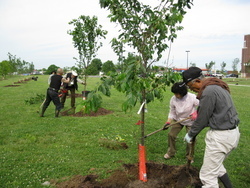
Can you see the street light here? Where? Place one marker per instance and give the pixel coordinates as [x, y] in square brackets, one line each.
[187, 58]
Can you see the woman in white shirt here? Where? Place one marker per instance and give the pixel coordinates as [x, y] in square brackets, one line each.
[182, 105]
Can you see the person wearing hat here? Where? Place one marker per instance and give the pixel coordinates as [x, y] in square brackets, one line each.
[71, 86]
[216, 111]
[182, 105]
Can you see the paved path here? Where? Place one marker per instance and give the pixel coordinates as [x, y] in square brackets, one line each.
[239, 85]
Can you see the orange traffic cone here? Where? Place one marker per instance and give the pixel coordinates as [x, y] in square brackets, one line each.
[142, 164]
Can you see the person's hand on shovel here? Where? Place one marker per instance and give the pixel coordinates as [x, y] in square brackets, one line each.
[188, 139]
[165, 127]
[193, 116]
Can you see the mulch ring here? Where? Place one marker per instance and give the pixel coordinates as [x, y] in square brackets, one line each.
[158, 175]
[12, 86]
[100, 112]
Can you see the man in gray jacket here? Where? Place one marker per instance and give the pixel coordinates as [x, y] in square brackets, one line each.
[216, 111]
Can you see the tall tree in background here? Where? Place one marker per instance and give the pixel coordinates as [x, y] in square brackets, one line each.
[235, 64]
[108, 66]
[147, 30]
[20, 66]
[209, 66]
[95, 67]
[31, 67]
[192, 64]
[5, 68]
[223, 65]
[86, 37]
[51, 68]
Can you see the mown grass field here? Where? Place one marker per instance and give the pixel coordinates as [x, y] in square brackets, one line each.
[35, 150]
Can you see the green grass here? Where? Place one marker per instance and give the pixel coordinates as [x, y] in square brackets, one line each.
[34, 149]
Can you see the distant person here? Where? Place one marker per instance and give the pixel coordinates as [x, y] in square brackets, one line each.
[52, 92]
[216, 111]
[72, 87]
[34, 78]
[182, 105]
[51, 74]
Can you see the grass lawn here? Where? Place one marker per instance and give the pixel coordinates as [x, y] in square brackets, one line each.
[34, 149]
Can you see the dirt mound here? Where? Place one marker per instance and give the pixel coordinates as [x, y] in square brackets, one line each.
[100, 112]
[159, 176]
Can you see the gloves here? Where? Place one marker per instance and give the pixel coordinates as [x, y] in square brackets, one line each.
[165, 126]
[187, 138]
[194, 115]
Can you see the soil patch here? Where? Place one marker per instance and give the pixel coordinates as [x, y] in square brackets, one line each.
[158, 175]
[112, 144]
[100, 112]
[12, 86]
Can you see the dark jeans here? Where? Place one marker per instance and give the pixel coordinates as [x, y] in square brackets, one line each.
[52, 96]
[72, 92]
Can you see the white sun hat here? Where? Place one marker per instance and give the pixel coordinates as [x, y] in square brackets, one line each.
[74, 73]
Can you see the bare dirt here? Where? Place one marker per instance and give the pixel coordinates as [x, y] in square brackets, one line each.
[20, 82]
[100, 112]
[158, 176]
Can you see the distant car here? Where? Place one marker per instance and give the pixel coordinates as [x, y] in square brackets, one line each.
[218, 75]
[232, 76]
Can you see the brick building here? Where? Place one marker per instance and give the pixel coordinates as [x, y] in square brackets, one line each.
[245, 61]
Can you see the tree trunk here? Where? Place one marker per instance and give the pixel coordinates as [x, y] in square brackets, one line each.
[85, 86]
[143, 118]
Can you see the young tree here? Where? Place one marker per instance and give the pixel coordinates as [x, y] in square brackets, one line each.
[147, 30]
[86, 37]
[235, 64]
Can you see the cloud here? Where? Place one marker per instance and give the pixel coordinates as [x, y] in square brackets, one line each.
[213, 31]
[36, 31]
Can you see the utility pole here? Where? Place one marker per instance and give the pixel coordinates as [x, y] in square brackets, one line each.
[187, 58]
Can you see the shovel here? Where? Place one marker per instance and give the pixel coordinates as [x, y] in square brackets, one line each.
[191, 153]
[164, 128]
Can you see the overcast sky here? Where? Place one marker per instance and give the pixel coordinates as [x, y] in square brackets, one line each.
[36, 31]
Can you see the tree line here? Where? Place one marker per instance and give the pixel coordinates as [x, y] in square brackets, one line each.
[209, 66]
[15, 65]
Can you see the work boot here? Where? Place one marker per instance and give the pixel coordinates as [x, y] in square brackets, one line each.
[42, 113]
[57, 113]
[226, 181]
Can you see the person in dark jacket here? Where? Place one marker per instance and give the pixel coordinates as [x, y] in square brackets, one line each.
[216, 111]
[52, 92]
[72, 87]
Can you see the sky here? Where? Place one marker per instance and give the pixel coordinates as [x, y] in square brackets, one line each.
[36, 31]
